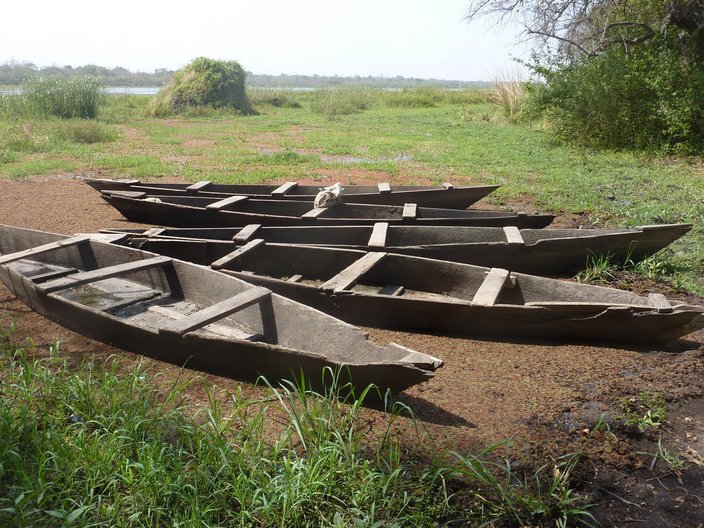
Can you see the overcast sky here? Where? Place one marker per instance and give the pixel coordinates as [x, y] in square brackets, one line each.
[411, 38]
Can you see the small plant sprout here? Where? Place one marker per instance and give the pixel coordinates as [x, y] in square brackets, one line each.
[645, 412]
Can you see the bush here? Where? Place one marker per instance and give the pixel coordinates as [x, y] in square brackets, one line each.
[203, 83]
[649, 97]
[69, 98]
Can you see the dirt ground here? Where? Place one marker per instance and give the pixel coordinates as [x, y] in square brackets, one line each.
[543, 396]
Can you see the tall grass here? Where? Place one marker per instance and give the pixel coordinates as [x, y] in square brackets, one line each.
[509, 94]
[69, 98]
[99, 445]
[333, 102]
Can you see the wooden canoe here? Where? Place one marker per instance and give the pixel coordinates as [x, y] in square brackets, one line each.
[536, 251]
[445, 196]
[239, 211]
[418, 294]
[192, 315]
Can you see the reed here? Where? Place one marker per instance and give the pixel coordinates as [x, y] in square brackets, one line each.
[64, 98]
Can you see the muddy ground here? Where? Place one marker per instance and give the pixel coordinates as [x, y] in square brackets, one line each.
[545, 397]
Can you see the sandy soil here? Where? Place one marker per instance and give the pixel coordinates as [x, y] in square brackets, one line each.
[545, 396]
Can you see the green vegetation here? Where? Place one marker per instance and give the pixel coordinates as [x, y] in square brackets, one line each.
[74, 98]
[645, 412]
[649, 97]
[100, 445]
[203, 83]
[464, 138]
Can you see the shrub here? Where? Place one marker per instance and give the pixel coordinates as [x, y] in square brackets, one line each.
[648, 97]
[65, 98]
[204, 83]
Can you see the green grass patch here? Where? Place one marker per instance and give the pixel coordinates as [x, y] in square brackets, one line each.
[100, 445]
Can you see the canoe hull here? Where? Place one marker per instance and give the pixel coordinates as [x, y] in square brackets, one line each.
[429, 196]
[236, 358]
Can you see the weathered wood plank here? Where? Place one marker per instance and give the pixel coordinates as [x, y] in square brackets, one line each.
[659, 301]
[490, 289]
[384, 188]
[410, 211]
[154, 231]
[283, 189]
[295, 278]
[77, 279]
[221, 204]
[513, 235]
[51, 275]
[216, 311]
[392, 290]
[448, 186]
[27, 253]
[234, 255]
[378, 237]
[246, 233]
[198, 186]
[314, 213]
[351, 274]
[227, 331]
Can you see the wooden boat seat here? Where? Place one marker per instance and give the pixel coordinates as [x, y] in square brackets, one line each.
[295, 278]
[378, 237]
[283, 189]
[490, 289]
[77, 279]
[384, 188]
[234, 255]
[246, 233]
[199, 186]
[51, 246]
[51, 275]
[256, 295]
[659, 301]
[351, 274]
[219, 329]
[226, 202]
[410, 211]
[513, 235]
[392, 290]
[153, 232]
[314, 213]
[448, 186]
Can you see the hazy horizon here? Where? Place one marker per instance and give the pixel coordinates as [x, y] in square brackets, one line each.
[412, 38]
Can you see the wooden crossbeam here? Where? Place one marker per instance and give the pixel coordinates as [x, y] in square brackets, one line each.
[410, 211]
[314, 213]
[126, 194]
[221, 204]
[384, 188]
[490, 289]
[392, 290]
[351, 274]
[283, 189]
[246, 233]
[234, 255]
[77, 279]
[448, 186]
[295, 278]
[51, 246]
[513, 235]
[154, 231]
[378, 237]
[216, 311]
[659, 301]
[198, 186]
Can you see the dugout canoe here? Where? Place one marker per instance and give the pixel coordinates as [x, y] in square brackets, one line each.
[404, 292]
[535, 251]
[192, 315]
[446, 195]
[239, 211]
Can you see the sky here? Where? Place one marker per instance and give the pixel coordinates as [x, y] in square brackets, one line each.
[410, 38]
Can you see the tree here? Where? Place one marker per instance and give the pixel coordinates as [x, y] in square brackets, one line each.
[591, 27]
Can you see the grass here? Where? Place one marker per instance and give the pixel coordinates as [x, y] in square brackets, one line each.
[98, 445]
[393, 135]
